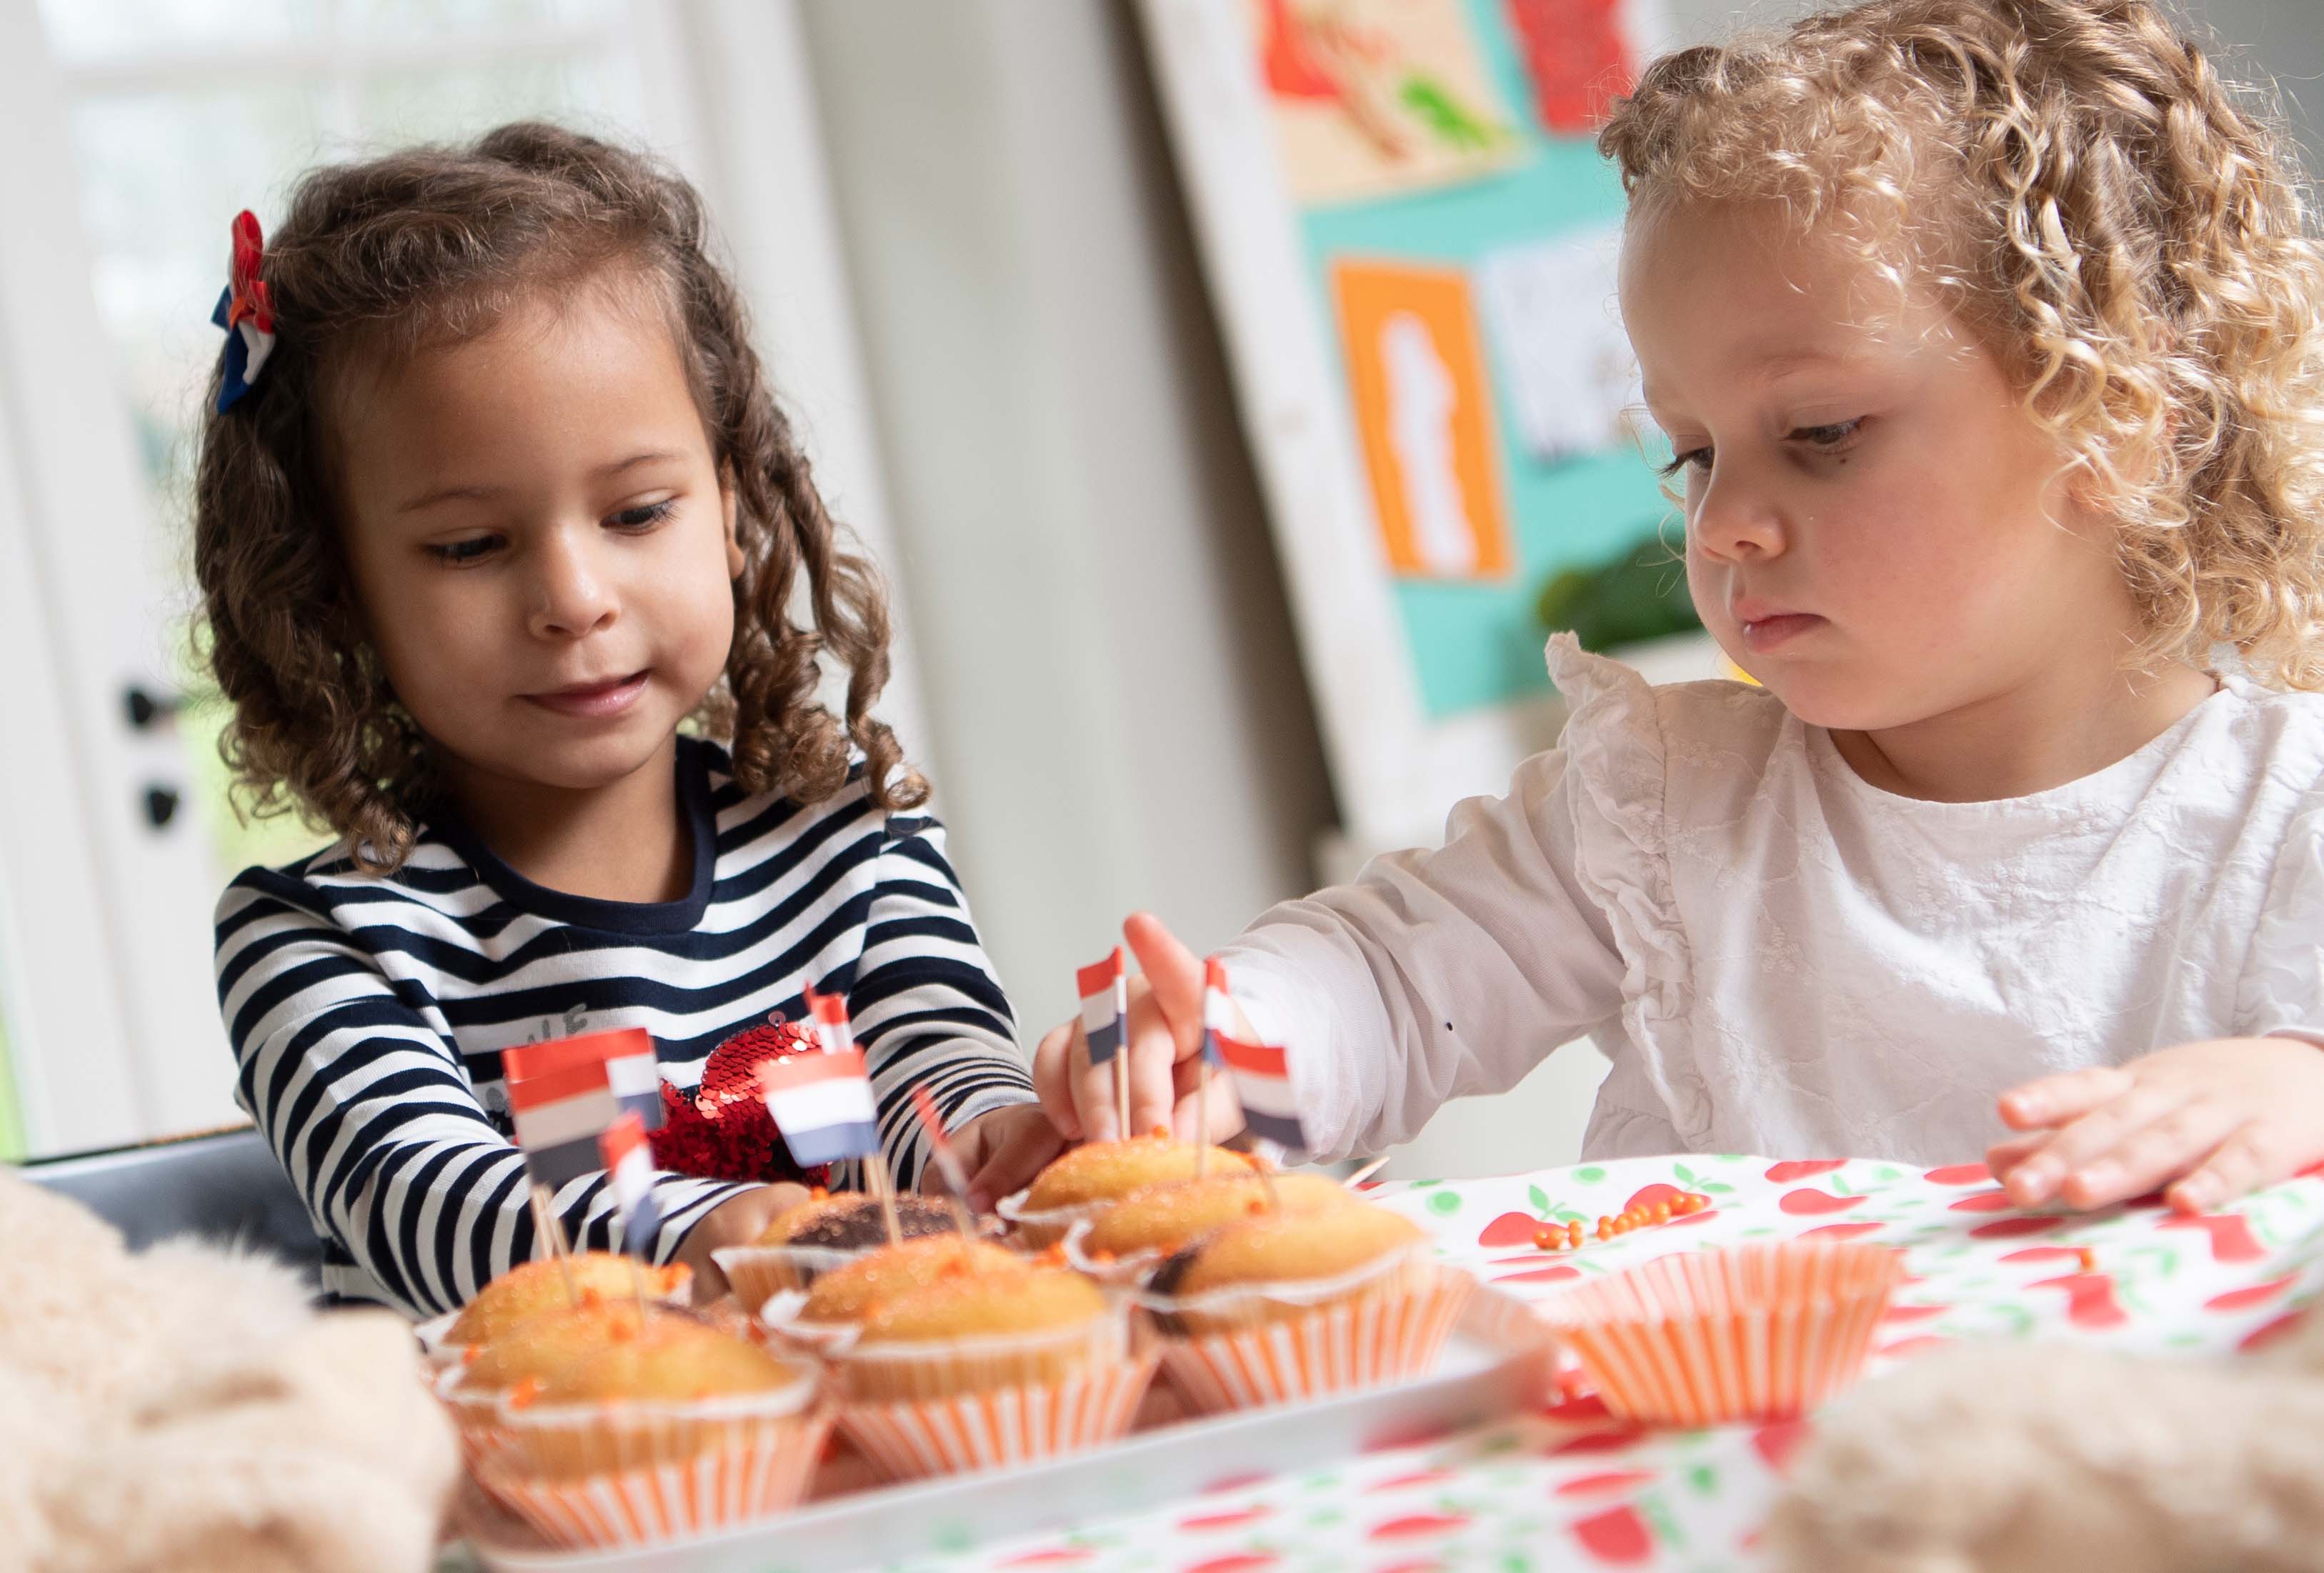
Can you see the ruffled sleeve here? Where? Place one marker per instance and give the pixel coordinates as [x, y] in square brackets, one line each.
[1439, 974]
[2282, 991]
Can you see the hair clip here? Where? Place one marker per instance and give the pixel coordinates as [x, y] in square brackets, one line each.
[245, 309]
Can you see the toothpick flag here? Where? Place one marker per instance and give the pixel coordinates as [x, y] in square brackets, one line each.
[627, 1054]
[559, 1115]
[939, 1144]
[1104, 988]
[823, 1103]
[1262, 1080]
[1218, 1009]
[629, 1163]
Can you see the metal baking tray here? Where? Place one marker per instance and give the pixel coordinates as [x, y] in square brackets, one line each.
[1499, 1361]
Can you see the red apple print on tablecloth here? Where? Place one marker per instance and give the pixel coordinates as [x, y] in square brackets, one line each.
[1810, 1201]
[1511, 1229]
[1803, 1169]
[1913, 1312]
[1777, 1442]
[1605, 1484]
[1425, 1565]
[1414, 1525]
[1913, 1346]
[1226, 1483]
[2002, 1228]
[1610, 1441]
[2256, 1294]
[1408, 1482]
[2043, 1253]
[1645, 1196]
[2089, 1300]
[1558, 1273]
[1984, 1201]
[2231, 1236]
[2260, 1337]
[1960, 1174]
[1617, 1537]
[1226, 1520]
[1235, 1562]
[1579, 1409]
[1841, 1231]
[1056, 1557]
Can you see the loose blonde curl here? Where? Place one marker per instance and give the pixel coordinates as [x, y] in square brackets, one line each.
[2125, 229]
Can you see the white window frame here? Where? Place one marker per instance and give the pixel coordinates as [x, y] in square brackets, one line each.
[104, 922]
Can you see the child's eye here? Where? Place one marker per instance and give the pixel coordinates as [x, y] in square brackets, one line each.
[463, 551]
[1827, 437]
[644, 517]
[1695, 458]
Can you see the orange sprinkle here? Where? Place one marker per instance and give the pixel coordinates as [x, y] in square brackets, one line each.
[468, 1356]
[1605, 1228]
[817, 1193]
[1101, 1257]
[1054, 1256]
[1541, 1240]
[1662, 1212]
[1573, 1234]
[522, 1394]
[2088, 1258]
[1160, 1132]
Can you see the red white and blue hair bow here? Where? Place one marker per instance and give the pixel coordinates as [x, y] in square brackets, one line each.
[245, 309]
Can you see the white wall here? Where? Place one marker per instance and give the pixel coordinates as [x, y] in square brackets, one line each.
[1118, 717]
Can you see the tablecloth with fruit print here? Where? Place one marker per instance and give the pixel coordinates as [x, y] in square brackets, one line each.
[1572, 1488]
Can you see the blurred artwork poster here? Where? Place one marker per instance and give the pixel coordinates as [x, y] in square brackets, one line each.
[1425, 418]
[1371, 98]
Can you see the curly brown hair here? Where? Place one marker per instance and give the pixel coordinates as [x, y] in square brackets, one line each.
[2122, 227]
[380, 259]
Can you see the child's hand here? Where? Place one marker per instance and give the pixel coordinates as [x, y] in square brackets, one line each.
[735, 1221]
[1163, 1040]
[2211, 1121]
[1002, 1149]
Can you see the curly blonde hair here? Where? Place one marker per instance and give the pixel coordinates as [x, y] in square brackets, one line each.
[378, 260]
[2125, 230]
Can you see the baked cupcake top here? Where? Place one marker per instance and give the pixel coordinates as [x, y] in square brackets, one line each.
[559, 1336]
[852, 1221]
[1164, 1217]
[1104, 1171]
[1286, 1248]
[1026, 1300]
[843, 1293]
[672, 1359]
[530, 1288]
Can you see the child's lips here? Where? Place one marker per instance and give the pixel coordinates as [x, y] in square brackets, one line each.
[594, 701]
[1767, 633]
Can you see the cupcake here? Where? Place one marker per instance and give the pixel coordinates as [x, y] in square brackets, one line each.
[819, 1235]
[970, 1330]
[1287, 1306]
[1758, 1332]
[530, 1288]
[846, 1294]
[628, 1429]
[1083, 1181]
[1158, 1221]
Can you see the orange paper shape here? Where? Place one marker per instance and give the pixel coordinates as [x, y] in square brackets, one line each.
[1425, 414]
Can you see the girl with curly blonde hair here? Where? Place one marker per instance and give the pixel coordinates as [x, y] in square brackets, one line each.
[1986, 337]
[517, 580]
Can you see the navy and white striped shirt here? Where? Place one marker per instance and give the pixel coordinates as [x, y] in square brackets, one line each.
[367, 1013]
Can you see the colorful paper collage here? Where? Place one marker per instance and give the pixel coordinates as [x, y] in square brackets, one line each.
[1512, 241]
[1425, 414]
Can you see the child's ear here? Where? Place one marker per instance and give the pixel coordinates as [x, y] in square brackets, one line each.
[727, 500]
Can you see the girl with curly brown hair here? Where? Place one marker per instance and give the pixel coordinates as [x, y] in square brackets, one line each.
[517, 580]
[1988, 338]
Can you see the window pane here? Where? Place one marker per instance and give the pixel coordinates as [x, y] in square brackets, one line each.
[407, 19]
[580, 90]
[82, 31]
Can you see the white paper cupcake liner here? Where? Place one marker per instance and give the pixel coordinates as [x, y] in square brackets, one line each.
[1765, 1331]
[769, 1474]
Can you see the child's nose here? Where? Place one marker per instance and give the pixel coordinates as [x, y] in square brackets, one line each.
[572, 593]
[1736, 520]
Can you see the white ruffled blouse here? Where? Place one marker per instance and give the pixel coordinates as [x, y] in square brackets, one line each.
[1780, 958]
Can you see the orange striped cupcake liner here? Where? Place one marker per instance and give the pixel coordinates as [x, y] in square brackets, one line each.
[757, 1273]
[766, 1475]
[1765, 1331]
[1387, 1335]
[995, 1428]
[1040, 1229]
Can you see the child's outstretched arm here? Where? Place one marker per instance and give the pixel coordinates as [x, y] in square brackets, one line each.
[1431, 976]
[371, 1114]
